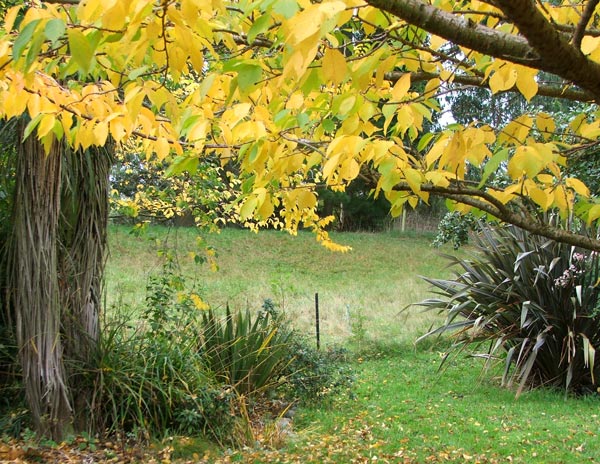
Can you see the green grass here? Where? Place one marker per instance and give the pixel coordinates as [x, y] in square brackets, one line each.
[402, 409]
[364, 289]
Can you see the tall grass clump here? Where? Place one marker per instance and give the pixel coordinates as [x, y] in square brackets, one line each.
[178, 367]
[245, 352]
[531, 299]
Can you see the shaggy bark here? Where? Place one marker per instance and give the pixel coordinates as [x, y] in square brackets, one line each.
[34, 288]
[82, 257]
[56, 269]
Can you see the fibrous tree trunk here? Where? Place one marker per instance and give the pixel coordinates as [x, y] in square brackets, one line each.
[82, 253]
[33, 284]
[56, 270]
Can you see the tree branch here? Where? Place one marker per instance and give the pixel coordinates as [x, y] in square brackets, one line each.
[582, 25]
[460, 30]
[558, 56]
[481, 200]
[539, 46]
[569, 93]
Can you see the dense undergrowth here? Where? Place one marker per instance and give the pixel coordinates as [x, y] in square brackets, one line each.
[177, 367]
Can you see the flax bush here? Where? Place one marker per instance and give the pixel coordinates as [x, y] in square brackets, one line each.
[531, 301]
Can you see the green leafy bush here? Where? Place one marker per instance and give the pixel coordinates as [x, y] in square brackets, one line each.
[151, 378]
[535, 299]
[148, 385]
[314, 375]
[245, 353]
[455, 228]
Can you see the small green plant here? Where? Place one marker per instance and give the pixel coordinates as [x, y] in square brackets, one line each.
[315, 375]
[533, 298]
[359, 331]
[248, 354]
[455, 228]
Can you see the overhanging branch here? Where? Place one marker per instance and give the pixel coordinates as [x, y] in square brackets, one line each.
[567, 93]
[540, 45]
[481, 200]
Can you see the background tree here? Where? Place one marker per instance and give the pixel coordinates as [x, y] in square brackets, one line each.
[295, 95]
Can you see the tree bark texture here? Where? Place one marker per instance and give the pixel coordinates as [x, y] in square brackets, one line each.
[82, 257]
[34, 287]
[56, 269]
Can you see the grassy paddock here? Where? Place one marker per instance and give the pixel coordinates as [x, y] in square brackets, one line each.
[361, 293]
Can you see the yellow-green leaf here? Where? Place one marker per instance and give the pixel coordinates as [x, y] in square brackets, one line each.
[334, 66]
[81, 50]
[401, 87]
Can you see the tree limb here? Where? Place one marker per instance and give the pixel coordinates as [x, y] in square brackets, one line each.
[582, 25]
[481, 200]
[559, 57]
[460, 30]
[539, 46]
[568, 93]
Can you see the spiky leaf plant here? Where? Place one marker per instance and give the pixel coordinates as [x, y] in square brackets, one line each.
[533, 299]
[248, 354]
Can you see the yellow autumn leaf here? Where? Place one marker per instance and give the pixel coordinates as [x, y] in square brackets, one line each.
[349, 169]
[334, 66]
[198, 302]
[401, 87]
[414, 179]
[526, 81]
[545, 124]
[589, 44]
[504, 78]
[100, 133]
[46, 125]
[544, 198]
[248, 207]
[162, 148]
[593, 214]
[306, 199]
[526, 161]
[577, 186]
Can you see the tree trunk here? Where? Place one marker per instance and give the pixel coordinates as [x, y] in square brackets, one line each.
[82, 257]
[56, 270]
[33, 283]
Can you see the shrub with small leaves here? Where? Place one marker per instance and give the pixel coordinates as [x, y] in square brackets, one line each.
[455, 228]
[315, 375]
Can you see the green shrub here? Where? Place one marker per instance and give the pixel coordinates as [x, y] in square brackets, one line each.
[313, 375]
[148, 385]
[151, 378]
[456, 227]
[535, 299]
[244, 353]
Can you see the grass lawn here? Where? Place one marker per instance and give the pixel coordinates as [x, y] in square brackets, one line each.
[401, 408]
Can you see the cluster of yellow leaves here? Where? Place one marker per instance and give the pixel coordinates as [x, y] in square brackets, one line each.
[281, 90]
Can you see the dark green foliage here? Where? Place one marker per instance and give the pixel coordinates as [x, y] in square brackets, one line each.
[355, 208]
[150, 384]
[532, 298]
[313, 375]
[245, 353]
[455, 227]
